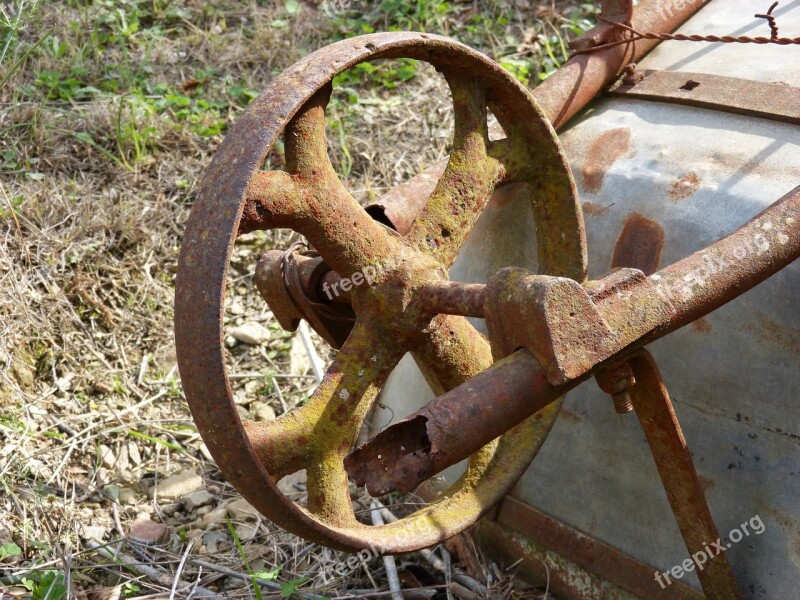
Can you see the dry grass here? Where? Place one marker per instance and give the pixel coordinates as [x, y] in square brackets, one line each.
[105, 130]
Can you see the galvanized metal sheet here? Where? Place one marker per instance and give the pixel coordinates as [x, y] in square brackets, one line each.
[747, 61]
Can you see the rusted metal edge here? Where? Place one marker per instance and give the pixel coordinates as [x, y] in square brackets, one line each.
[587, 553]
[681, 483]
[774, 101]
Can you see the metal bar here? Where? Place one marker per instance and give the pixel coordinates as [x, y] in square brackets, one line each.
[774, 101]
[416, 448]
[681, 483]
[695, 286]
[454, 298]
[587, 553]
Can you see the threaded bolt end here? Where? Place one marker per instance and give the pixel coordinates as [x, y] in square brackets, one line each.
[622, 402]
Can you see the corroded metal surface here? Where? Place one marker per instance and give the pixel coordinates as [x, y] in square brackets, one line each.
[681, 483]
[577, 565]
[561, 96]
[489, 404]
[237, 197]
[293, 285]
[774, 101]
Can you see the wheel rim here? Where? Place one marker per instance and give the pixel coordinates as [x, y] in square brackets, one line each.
[303, 439]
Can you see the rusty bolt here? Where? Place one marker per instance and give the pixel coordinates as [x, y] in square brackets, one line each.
[617, 381]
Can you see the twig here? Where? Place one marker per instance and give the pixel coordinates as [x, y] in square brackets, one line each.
[158, 576]
[313, 357]
[279, 394]
[436, 562]
[388, 561]
[180, 570]
[448, 575]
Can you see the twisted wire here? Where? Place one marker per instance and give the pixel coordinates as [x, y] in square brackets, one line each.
[635, 35]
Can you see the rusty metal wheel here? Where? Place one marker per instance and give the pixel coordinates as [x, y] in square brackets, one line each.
[309, 198]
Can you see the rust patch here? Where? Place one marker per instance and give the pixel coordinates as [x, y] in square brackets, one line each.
[639, 245]
[684, 187]
[570, 416]
[773, 332]
[594, 210]
[701, 325]
[603, 153]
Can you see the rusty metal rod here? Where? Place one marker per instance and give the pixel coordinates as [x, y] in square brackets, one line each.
[693, 286]
[416, 448]
[681, 483]
[455, 298]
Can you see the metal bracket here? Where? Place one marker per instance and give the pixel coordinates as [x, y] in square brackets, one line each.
[289, 282]
[565, 324]
[774, 101]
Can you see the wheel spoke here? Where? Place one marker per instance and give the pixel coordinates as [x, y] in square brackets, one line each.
[319, 434]
[468, 181]
[337, 226]
[452, 352]
[273, 199]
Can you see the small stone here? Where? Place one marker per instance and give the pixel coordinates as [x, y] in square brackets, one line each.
[230, 341]
[211, 539]
[241, 510]
[299, 362]
[215, 516]
[101, 476]
[133, 453]
[245, 532]
[127, 496]
[203, 510]
[253, 387]
[197, 499]
[148, 532]
[107, 456]
[237, 308]
[94, 532]
[170, 509]
[241, 398]
[177, 486]
[244, 415]
[122, 462]
[262, 411]
[251, 333]
[112, 490]
[101, 387]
